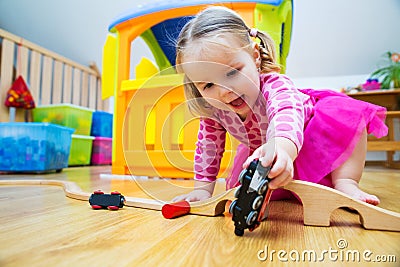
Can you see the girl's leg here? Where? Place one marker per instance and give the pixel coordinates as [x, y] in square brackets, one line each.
[346, 177]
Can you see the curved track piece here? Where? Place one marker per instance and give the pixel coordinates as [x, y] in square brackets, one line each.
[320, 201]
[72, 190]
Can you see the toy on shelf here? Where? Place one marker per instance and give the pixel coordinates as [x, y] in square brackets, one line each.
[371, 84]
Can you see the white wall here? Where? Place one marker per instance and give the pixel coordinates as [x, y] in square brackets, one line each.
[342, 37]
[330, 38]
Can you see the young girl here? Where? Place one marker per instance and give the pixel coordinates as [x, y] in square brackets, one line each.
[233, 83]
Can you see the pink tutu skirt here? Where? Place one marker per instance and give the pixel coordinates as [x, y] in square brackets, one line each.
[330, 136]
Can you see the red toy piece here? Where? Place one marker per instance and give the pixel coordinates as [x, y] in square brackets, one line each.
[174, 210]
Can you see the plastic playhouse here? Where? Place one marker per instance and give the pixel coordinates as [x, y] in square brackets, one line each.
[153, 132]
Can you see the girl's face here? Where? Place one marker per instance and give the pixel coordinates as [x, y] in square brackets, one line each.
[225, 74]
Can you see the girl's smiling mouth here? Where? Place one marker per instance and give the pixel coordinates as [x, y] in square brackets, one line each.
[238, 103]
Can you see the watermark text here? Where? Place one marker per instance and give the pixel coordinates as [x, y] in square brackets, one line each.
[334, 254]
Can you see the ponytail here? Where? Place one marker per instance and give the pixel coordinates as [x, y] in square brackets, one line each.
[267, 51]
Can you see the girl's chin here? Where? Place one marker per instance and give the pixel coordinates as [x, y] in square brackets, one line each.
[242, 112]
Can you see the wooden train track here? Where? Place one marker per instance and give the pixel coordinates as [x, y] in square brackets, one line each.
[318, 203]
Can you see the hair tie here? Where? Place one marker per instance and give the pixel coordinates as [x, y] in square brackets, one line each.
[253, 32]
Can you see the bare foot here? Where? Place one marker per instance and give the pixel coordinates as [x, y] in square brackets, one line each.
[350, 187]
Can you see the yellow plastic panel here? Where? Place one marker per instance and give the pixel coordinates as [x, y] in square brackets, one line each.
[110, 55]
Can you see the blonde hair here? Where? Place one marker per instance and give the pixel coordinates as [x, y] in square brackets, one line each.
[220, 21]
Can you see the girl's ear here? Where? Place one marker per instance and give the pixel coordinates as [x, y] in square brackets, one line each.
[256, 54]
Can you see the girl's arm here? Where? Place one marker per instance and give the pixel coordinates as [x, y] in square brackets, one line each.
[285, 135]
[285, 109]
[208, 154]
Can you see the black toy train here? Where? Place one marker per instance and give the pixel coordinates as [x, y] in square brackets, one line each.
[113, 201]
[252, 198]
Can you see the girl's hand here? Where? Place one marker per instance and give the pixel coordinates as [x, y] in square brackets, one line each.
[202, 191]
[280, 153]
[195, 195]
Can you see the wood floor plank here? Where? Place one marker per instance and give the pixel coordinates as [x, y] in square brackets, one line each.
[41, 227]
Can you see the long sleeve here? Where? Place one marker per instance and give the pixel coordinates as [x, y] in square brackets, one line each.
[209, 150]
[285, 109]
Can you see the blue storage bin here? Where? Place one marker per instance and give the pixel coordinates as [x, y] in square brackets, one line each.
[34, 147]
[102, 124]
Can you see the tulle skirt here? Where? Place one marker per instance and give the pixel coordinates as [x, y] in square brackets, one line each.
[330, 136]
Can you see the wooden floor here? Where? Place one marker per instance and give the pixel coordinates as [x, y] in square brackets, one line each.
[41, 227]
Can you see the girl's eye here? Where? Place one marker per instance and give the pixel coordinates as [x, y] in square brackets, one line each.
[232, 72]
[208, 85]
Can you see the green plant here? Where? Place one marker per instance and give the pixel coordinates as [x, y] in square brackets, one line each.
[390, 74]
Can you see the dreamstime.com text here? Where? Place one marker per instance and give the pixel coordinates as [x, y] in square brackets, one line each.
[339, 254]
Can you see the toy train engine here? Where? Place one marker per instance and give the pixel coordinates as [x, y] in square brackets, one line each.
[252, 198]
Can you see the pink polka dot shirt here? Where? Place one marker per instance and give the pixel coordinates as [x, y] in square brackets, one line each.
[281, 110]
